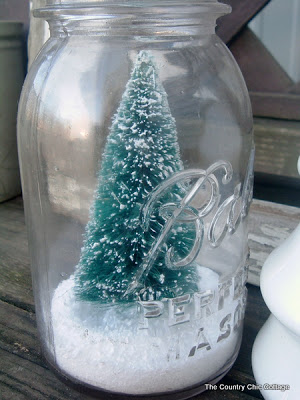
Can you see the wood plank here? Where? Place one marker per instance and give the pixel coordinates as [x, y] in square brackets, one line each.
[296, 88]
[269, 225]
[23, 379]
[18, 332]
[277, 147]
[276, 105]
[23, 372]
[263, 75]
[15, 283]
[242, 12]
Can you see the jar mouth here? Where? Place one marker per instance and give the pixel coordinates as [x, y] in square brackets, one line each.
[99, 8]
[135, 18]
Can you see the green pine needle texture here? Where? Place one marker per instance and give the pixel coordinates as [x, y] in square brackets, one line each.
[141, 152]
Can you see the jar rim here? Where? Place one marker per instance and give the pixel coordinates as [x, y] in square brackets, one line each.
[96, 9]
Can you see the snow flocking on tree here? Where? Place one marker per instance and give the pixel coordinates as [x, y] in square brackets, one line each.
[141, 152]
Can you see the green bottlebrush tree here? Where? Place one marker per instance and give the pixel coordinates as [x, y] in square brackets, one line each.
[141, 152]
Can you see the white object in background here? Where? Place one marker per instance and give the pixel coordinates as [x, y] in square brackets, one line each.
[278, 27]
[276, 350]
[38, 31]
[11, 80]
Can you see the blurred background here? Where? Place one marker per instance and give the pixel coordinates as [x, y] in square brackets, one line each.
[264, 37]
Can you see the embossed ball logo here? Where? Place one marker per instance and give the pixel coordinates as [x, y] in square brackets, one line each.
[233, 209]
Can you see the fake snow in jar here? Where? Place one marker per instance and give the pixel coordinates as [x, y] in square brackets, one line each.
[136, 151]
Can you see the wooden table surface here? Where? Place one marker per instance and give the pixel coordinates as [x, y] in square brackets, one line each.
[24, 375]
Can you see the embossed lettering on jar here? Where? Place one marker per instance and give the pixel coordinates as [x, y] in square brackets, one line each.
[136, 151]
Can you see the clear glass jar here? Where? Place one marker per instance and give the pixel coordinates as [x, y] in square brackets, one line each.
[136, 150]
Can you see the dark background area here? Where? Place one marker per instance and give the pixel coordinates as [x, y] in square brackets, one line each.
[15, 10]
[279, 188]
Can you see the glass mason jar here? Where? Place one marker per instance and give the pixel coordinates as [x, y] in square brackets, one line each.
[136, 149]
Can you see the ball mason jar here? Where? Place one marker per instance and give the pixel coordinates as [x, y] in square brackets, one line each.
[136, 150]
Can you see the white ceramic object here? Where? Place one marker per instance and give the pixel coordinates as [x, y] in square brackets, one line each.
[39, 29]
[275, 361]
[276, 350]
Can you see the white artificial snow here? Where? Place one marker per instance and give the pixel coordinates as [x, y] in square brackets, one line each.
[105, 346]
[140, 143]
